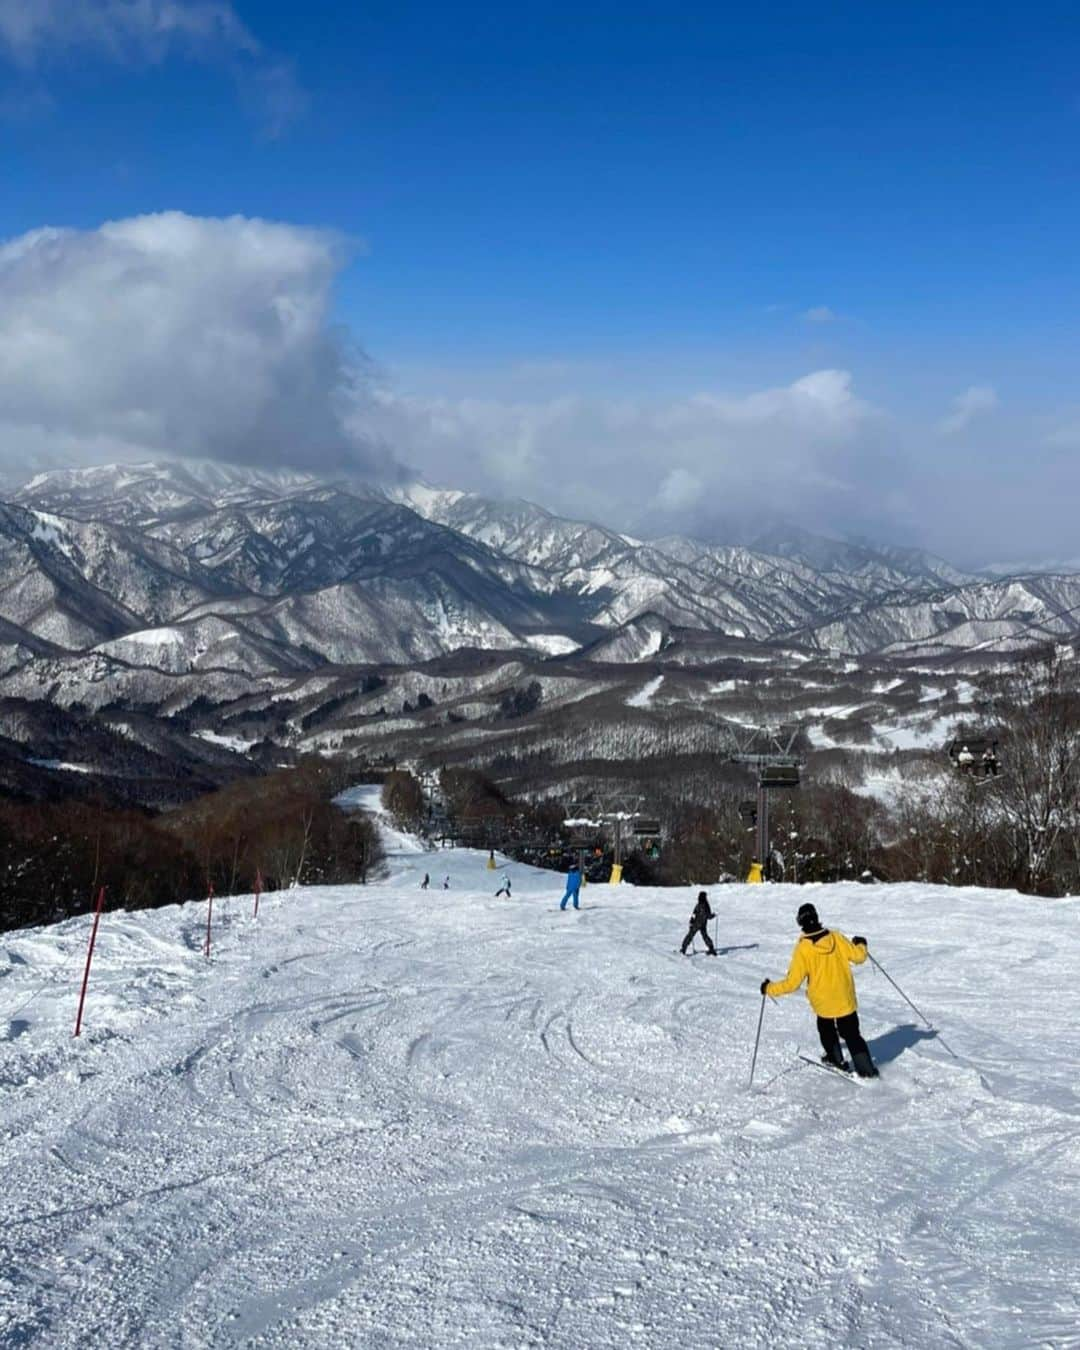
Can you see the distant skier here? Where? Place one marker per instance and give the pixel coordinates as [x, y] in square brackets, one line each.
[698, 924]
[823, 959]
[426, 881]
[446, 883]
[504, 889]
[989, 762]
[573, 887]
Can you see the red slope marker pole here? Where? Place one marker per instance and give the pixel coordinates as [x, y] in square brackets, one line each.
[209, 916]
[89, 958]
[258, 890]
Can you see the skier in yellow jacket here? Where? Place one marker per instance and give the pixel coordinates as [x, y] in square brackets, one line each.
[823, 959]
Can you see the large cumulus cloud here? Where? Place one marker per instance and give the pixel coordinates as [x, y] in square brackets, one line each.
[175, 335]
[178, 335]
[171, 335]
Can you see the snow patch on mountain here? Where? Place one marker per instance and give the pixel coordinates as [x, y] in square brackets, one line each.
[235, 743]
[644, 696]
[919, 735]
[552, 644]
[50, 530]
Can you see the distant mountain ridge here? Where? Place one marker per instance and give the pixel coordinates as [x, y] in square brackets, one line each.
[182, 567]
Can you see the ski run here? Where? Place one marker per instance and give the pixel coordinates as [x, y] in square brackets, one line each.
[382, 1117]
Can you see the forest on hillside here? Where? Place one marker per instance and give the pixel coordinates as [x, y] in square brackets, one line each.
[1020, 829]
[278, 830]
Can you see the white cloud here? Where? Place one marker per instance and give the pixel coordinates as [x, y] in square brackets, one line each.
[679, 490]
[1065, 437]
[966, 407]
[805, 449]
[136, 31]
[145, 33]
[174, 335]
[820, 314]
[179, 335]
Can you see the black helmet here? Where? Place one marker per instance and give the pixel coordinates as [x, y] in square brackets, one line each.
[807, 919]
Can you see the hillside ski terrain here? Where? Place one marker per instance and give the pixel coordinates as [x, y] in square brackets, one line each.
[390, 1117]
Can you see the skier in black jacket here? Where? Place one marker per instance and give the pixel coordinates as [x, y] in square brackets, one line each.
[698, 921]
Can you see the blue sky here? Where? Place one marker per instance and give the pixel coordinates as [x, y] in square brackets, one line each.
[623, 202]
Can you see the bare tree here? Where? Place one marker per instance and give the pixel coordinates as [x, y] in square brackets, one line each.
[1040, 736]
[307, 817]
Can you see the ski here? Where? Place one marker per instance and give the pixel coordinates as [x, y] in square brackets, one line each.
[851, 1077]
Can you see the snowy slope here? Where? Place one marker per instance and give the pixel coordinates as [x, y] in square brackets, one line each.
[382, 1117]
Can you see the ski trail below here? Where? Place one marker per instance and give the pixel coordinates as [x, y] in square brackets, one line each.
[385, 1117]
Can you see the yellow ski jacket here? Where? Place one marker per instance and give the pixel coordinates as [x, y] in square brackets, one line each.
[824, 965]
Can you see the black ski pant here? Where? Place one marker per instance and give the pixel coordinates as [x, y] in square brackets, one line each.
[698, 926]
[830, 1029]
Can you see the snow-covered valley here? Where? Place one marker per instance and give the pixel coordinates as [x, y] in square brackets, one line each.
[383, 1116]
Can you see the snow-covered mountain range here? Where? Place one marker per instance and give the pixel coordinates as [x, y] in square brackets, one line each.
[194, 566]
[181, 619]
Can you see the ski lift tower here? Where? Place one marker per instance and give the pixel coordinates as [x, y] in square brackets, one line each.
[617, 814]
[583, 821]
[772, 753]
[621, 813]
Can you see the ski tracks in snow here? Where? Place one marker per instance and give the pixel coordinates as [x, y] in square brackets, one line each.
[389, 1118]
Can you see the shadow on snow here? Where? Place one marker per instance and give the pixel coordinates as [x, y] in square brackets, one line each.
[893, 1044]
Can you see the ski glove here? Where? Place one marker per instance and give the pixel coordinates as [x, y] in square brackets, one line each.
[859, 941]
[764, 985]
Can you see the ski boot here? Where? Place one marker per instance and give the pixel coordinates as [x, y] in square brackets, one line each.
[864, 1065]
[835, 1059]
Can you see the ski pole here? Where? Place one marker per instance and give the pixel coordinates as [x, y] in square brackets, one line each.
[904, 996]
[757, 1038]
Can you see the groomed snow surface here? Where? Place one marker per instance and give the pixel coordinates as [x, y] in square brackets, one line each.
[383, 1117]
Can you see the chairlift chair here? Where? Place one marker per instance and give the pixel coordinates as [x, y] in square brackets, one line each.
[975, 756]
[578, 842]
[779, 776]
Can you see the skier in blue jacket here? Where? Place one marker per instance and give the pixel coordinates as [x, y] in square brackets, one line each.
[573, 886]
